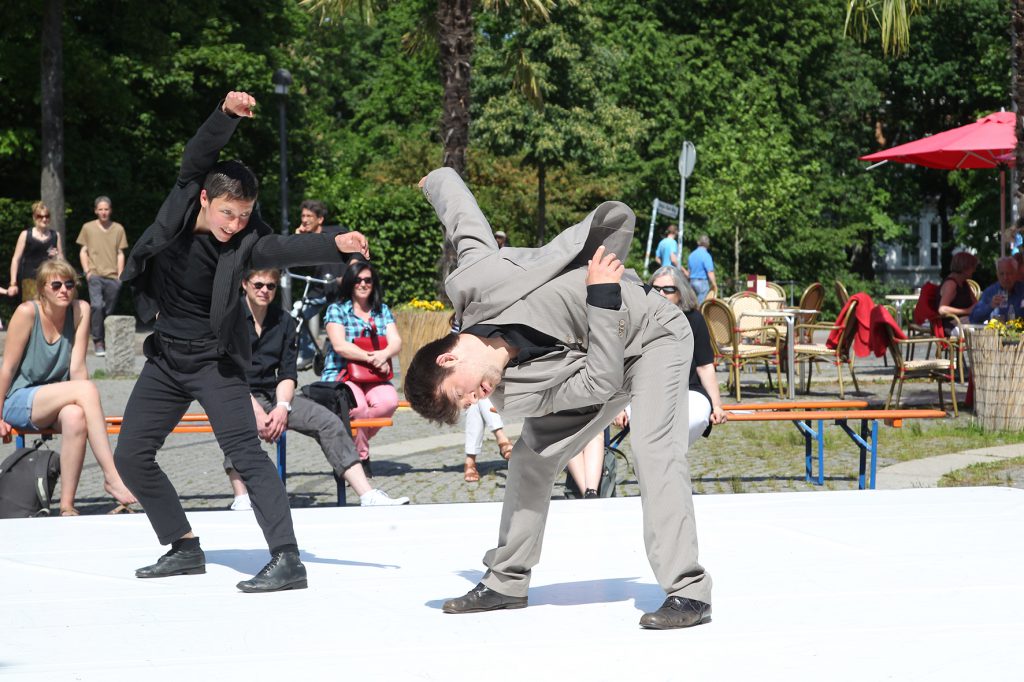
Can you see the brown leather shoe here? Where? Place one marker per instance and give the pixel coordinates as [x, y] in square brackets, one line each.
[482, 598]
[677, 612]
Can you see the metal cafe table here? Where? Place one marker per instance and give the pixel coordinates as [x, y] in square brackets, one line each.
[789, 314]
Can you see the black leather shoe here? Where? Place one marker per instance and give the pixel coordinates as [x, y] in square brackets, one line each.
[590, 494]
[677, 612]
[482, 598]
[175, 562]
[284, 572]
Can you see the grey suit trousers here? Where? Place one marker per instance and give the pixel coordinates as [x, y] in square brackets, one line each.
[657, 385]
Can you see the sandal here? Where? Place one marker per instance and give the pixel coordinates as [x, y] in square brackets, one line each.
[471, 474]
[121, 509]
[505, 448]
[69, 511]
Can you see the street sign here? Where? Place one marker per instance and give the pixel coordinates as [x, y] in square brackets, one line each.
[687, 158]
[667, 210]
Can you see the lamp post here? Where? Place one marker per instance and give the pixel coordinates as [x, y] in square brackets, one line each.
[282, 79]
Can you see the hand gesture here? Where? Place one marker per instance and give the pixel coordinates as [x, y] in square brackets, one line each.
[718, 415]
[621, 420]
[604, 268]
[239, 104]
[277, 422]
[353, 242]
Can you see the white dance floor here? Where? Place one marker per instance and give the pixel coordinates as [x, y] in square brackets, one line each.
[911, 584]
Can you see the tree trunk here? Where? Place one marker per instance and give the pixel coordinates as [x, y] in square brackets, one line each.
[542, 203]
[1017, 95]
[735, 256]
[455, 44]
[51, 184]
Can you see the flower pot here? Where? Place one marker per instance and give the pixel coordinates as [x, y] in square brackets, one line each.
[417, 328]
[997, 365]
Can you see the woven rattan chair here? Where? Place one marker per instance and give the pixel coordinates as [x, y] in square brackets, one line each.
[838, 356]
[774, 296]
[937, 369]
[728, 346]
[745, 302]
[975, 288]
[811, 299]
[841, 293]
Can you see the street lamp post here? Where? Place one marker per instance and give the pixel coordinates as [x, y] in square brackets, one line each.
[282, 79]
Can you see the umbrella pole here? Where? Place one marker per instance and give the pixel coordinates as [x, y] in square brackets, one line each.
[1002, 211]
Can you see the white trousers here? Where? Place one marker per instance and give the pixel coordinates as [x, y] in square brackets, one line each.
[476, 416]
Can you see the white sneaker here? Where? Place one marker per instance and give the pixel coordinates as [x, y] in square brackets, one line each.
[379, 498]
[241, 503]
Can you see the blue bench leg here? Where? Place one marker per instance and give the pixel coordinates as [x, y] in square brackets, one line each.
[874, 453]
[19, 441]
[821, 452]
[282, 456]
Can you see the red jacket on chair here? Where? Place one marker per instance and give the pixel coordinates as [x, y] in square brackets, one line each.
[862, 335]
[881, 322]
[927, 309]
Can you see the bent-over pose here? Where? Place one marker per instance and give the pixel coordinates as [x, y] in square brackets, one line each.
[565, 337]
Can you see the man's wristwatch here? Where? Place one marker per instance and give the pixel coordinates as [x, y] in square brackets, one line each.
[286, 405]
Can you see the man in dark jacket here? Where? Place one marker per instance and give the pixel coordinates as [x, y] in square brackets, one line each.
[186, 270]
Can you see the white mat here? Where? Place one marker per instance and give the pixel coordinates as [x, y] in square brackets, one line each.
[910, 584]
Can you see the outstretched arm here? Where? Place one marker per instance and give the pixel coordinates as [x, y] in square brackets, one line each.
[202, 150]
[464, 223]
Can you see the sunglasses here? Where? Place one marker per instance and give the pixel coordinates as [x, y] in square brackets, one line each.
[665, 290]
[364, 280]
[43, 216]
[259, 285]
[68, 284]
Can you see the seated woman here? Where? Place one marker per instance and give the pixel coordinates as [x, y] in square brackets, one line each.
[955, 295]
[361, 312]
[44, 382]
[705, 400]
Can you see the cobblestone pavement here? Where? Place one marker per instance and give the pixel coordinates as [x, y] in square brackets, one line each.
[424, 462]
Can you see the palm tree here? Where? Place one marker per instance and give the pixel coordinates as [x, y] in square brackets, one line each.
[452, 27]
[51, 182]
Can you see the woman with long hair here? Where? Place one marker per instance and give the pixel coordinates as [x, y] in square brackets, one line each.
[44, 382]
[34, 245]
[361, 312]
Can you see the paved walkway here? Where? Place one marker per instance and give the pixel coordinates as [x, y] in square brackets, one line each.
[424, 462]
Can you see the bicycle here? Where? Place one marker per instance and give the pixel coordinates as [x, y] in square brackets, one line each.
[299, 307]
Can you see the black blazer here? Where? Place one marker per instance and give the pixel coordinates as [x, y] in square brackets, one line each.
[254, 247]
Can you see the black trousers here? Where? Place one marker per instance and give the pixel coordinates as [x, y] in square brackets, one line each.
[175, 373]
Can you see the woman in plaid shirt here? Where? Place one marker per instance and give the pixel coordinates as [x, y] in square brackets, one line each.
[358, 310]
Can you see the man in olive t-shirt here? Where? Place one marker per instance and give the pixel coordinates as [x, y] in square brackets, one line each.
[103, 243]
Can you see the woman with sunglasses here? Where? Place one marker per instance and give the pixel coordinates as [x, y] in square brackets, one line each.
[361, 312]
[44, 382]
[35, 245]
[705, 399]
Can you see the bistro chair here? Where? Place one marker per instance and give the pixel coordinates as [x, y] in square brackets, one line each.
[936, 369]
[846, 326]
[774, 296]
[744, 302]
[729, 347]
[841, 293]
[975, 289]
[811, 299]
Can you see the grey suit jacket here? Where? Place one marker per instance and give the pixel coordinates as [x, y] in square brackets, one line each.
[545, 288]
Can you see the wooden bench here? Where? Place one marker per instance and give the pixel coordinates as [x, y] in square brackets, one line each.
[805, 414]
[200, 423]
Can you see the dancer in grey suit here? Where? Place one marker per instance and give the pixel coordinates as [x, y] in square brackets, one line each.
[565, 337]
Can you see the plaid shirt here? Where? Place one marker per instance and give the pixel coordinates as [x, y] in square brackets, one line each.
[343, 314]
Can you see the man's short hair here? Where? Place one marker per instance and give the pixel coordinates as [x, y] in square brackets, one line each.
[273, 273]
[314, 206]
[704, 241]
[233, 180]
[102, 199]
[672, 229]
[423, 383]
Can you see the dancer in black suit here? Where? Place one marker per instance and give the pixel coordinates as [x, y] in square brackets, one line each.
[186, 271]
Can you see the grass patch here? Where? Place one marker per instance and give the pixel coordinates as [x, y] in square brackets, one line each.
[1007, 472]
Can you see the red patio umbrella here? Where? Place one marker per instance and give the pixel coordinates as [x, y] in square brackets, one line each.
[989, 142]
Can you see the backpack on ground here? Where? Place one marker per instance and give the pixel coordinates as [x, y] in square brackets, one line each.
[27, 480]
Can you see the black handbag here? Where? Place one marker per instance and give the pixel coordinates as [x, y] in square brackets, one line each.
[334, 395]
